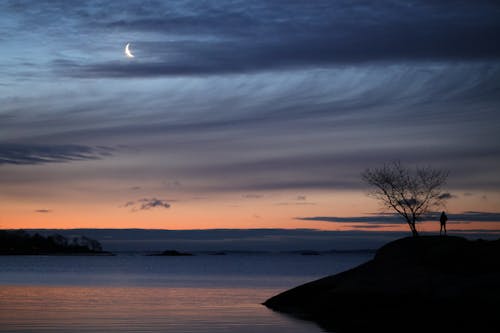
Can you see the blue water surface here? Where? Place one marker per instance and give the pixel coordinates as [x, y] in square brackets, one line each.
[135, 293]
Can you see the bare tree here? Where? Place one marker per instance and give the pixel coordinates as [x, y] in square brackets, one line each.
[411, 193]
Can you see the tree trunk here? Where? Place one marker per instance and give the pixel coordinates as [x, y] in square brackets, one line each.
[413, 229]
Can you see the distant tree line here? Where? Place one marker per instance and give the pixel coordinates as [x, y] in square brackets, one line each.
[22, 242]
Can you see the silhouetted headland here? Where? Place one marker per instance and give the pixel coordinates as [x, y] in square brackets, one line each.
[427, 283]
[171, 253]
[19, 242]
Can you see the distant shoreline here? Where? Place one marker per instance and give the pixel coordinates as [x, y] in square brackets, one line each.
[60, 254]
[20, 242]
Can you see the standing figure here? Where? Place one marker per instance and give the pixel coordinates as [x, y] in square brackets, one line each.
[442, 221]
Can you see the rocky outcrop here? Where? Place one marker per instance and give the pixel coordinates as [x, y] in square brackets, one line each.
[427, 283]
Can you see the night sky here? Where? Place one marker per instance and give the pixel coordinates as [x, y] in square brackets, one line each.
[243, 114]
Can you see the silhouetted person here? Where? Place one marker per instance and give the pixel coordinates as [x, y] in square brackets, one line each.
[442, 221]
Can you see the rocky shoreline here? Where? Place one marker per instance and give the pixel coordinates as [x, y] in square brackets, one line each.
[429, 283]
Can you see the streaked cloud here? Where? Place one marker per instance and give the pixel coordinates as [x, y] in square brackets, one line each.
[147, 204]
[232, 98]
[374, 218]
[389, 218]
[39, 154]
[446, 196]
[264, 36]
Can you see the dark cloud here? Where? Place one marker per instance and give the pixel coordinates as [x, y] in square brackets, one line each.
[39, 154]
[223, 58]
[202, 19]
[369, 226]
[336, 170]
[146, 204]
[492, 233]
[389, 218]
[374, 218]
[243, 38]
[43, 211]
[378, 67]
[446, 196]
[476, 216]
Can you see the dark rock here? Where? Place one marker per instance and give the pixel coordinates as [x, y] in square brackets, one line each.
[172, 253]
[412, 284]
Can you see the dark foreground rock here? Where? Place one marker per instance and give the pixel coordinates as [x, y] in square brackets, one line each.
[431, 284]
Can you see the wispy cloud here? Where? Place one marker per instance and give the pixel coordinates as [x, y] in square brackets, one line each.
[43, 211]
[243, 38]
[147, 204]
[306, 90]
[39, 154]
[447, 195]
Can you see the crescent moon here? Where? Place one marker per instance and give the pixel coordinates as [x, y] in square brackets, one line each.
[128, 53]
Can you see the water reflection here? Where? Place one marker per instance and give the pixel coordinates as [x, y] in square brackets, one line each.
[141, 309]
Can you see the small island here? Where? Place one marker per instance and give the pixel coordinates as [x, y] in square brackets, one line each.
[171, 253]
[20, 242]
[425, 283]
[309, 253]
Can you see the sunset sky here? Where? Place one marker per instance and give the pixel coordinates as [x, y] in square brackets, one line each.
[243, 114]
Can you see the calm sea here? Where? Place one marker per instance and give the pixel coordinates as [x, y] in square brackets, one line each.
[134, 293]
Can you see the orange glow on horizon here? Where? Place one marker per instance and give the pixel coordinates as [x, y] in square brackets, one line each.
[235, 211]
